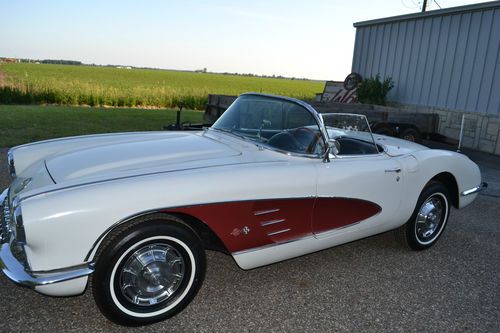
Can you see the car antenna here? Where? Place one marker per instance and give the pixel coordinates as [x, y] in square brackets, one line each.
[461, 133]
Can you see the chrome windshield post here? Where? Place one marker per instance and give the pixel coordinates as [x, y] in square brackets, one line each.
[333, 147]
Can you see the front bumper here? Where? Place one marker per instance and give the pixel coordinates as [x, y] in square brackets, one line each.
[473, 190]
[17, 269]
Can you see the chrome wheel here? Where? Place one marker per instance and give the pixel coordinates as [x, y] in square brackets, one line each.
[430, 218]
[148, 270]
[152, 274]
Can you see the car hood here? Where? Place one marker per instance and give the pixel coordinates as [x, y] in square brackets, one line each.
[146, 154]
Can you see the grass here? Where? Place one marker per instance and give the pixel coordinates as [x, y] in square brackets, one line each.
[23, 124]
[23, 83]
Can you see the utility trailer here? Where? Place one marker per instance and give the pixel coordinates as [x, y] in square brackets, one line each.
[216, 105]
[411, 126]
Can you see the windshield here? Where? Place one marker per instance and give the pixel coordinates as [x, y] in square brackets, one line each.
[352, 132]
[273, 122]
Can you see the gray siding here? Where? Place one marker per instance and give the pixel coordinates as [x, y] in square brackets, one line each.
[448, 59]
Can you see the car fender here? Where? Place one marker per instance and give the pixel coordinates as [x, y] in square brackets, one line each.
[432, 163]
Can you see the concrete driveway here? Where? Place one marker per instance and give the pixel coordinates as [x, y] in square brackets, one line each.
[371, 285]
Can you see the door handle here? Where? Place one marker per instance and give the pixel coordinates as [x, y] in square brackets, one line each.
[396, 170]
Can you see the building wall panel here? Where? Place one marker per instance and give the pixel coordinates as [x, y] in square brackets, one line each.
[447, 59]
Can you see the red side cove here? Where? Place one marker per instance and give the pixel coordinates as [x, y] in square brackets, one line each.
[244, 225]
[333, 213]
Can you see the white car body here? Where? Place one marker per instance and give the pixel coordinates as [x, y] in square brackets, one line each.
[71, 192]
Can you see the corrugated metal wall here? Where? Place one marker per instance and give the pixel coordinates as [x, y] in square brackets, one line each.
[447, 60]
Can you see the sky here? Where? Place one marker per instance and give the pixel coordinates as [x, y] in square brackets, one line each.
[307, 39]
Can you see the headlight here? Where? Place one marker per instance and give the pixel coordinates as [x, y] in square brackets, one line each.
[18, 227]
[10, 161]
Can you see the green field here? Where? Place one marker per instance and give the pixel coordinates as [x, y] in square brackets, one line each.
[28, 123]
[23, 83]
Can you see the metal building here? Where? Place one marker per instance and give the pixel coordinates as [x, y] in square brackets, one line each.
[445, 58]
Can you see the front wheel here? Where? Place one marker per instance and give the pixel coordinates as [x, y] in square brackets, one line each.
[148, 271]
[428, 220]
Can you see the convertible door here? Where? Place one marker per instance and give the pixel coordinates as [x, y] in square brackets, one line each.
[355, 189]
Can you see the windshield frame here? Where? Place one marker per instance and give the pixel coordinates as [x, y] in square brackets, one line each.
[316, 116]
[379, 149]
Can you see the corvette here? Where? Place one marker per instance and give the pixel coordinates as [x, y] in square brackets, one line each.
[272, 179]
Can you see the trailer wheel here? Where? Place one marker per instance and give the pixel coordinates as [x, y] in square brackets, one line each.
[411, 134]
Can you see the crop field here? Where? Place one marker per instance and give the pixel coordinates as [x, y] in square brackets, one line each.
[23, 83]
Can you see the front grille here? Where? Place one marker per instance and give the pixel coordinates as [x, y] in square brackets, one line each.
[6, 225]
[5, 220]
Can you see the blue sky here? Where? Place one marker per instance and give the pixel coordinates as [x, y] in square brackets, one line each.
[312, 39]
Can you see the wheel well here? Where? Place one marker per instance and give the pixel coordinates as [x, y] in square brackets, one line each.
[448, 180]
[210, 240]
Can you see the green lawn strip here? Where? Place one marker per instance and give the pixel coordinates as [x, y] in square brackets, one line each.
[21, 124]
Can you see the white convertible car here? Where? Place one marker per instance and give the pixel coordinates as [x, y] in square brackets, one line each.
[272, 179]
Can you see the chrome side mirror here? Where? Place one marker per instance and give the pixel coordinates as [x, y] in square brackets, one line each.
[333, 147]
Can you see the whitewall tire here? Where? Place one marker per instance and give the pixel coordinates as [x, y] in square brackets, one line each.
[429, 218]
[148, 271]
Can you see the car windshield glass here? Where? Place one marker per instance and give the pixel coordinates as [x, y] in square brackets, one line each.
[352, 132]
[273, 122]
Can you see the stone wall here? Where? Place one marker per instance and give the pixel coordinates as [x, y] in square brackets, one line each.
[481, 131]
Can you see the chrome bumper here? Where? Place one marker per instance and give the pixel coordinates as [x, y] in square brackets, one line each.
[476, 189]
[19, 271]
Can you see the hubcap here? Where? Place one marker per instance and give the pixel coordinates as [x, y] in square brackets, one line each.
[429, 218]
[152, 274]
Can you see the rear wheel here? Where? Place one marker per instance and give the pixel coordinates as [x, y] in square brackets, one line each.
[148, 271]
[428, 220]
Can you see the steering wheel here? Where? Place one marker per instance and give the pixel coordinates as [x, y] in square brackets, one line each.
[285, 141]
[301, 134]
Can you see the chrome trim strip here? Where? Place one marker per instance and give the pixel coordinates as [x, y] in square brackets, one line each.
[262, 212]
[473, 190]
[266, 223]
[278, 232]
[129, 177]
[16, 272]
[327, 233]
[263, 247]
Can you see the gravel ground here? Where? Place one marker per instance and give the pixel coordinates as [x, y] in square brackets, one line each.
[371, 285]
